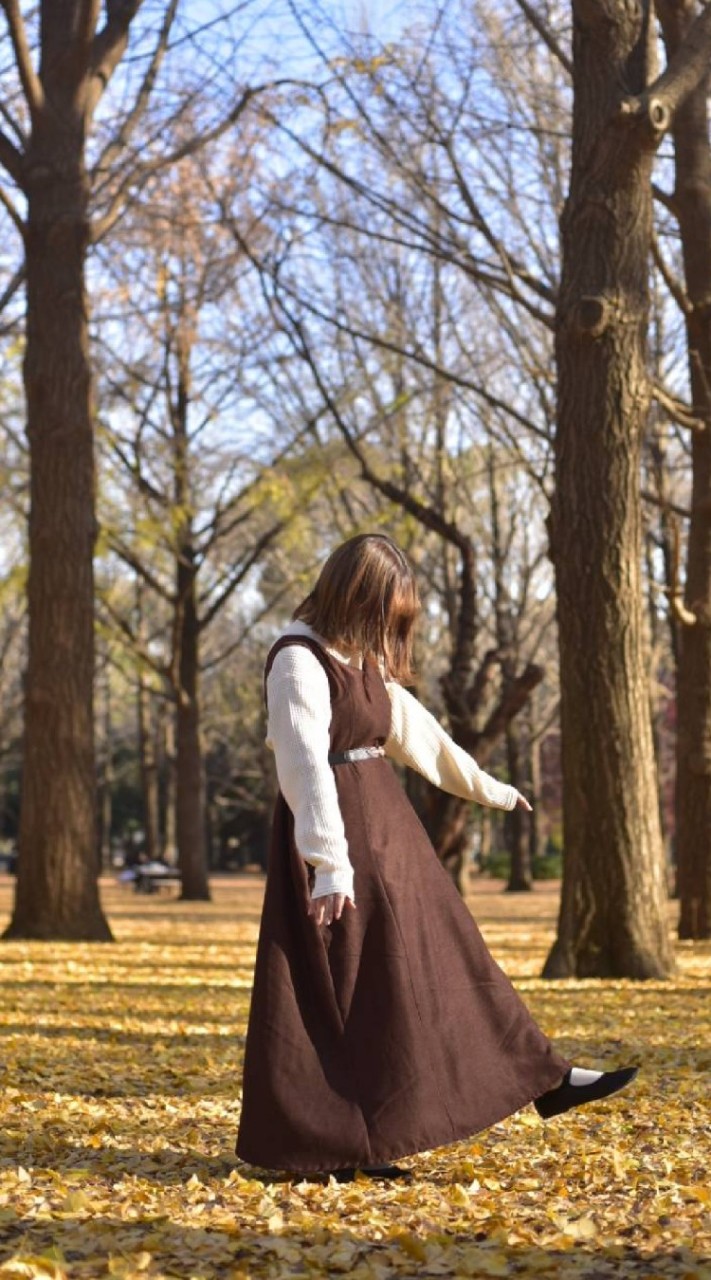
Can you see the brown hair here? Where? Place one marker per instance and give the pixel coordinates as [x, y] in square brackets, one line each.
[366, 599]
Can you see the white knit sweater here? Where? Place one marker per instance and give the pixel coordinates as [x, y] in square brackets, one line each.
[299, 719]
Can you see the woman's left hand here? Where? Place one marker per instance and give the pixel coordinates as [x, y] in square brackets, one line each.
[522, 803]
[330, 907]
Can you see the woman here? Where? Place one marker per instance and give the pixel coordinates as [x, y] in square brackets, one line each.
[380, 1024]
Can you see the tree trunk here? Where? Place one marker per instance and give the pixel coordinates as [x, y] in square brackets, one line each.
[106, 782]
[516, 822]
[57, 894]
[692, 205]
[506, 638]
[190, 798]
[449, 823]
[147, 745]
[612, 920]
[535, 835]
[148, 769]
[485, 837]
[655, 701]
[448, 818]
[189, 778]
[170, 843]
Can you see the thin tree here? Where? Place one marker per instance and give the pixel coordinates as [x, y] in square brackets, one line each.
[80, 45]
[690, 203]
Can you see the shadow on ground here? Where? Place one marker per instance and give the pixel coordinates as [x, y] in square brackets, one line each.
[92, 1245]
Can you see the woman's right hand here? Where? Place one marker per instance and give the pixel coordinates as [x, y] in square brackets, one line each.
[330, 907]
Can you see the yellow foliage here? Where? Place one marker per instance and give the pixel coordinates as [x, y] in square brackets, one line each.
[13, 586]
[120, 1069]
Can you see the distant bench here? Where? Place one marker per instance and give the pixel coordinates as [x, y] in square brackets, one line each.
[149, 879]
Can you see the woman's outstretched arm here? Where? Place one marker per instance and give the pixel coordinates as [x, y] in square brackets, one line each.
[418, 740]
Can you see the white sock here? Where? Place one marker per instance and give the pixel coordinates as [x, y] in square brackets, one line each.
[579, 1075]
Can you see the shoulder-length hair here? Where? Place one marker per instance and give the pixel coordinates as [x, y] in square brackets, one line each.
[366, 599]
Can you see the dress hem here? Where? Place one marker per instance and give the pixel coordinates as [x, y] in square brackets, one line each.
[398, 1153]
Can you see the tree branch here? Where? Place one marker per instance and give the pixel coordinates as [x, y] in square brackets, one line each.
[138, 567]
[406, 219]
[665, 504]
[127, 630]
[482, 679]
[483, 227]
[216, 530]
[142, 173]
[12, 159]
[134, 470]
[86, 23]
[260, 545]
[108, 47]
[11, 289]
[680, 412]
[684, 71]
[514, 698]
[114, 147]
[665, 198]
[12, 211]
[12, 124]
[675, 591]
[546, 34]
[237, 643]
[385, 344]
[674, 285]
[426, 515]
[30, 81]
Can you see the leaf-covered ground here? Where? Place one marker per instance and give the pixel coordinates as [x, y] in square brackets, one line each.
[120, 1074]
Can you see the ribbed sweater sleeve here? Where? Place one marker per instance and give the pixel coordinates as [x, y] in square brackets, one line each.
[418, 740]
[299, 719]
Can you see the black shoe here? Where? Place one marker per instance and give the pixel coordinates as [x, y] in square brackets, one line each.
[568, 1095]
[379, 1172]
[385, 1172]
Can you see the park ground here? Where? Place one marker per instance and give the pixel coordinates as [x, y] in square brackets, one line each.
[120, 1072]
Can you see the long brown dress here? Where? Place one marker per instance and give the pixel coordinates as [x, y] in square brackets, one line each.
[393, 1030]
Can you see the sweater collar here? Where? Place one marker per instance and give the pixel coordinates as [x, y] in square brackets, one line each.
[298, 628]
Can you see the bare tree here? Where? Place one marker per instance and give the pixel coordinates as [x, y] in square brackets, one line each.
[200, 500]
[690, 204]
[408, 473]
[613, 910]
[65, 54]
[613, 919]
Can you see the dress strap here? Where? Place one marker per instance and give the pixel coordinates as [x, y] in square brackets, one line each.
[307, 643]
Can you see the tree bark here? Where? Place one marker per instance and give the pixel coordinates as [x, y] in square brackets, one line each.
[106, 779]
[147, 744]
[449, 822]
[57, 894]
[535, 838]
[655, 701]
[189, 776]
[692, 205]
[517, 821]
[190, 789]
[148, 763]
[506, 638]
[486, 837]
[612, 919]
[169, 843]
